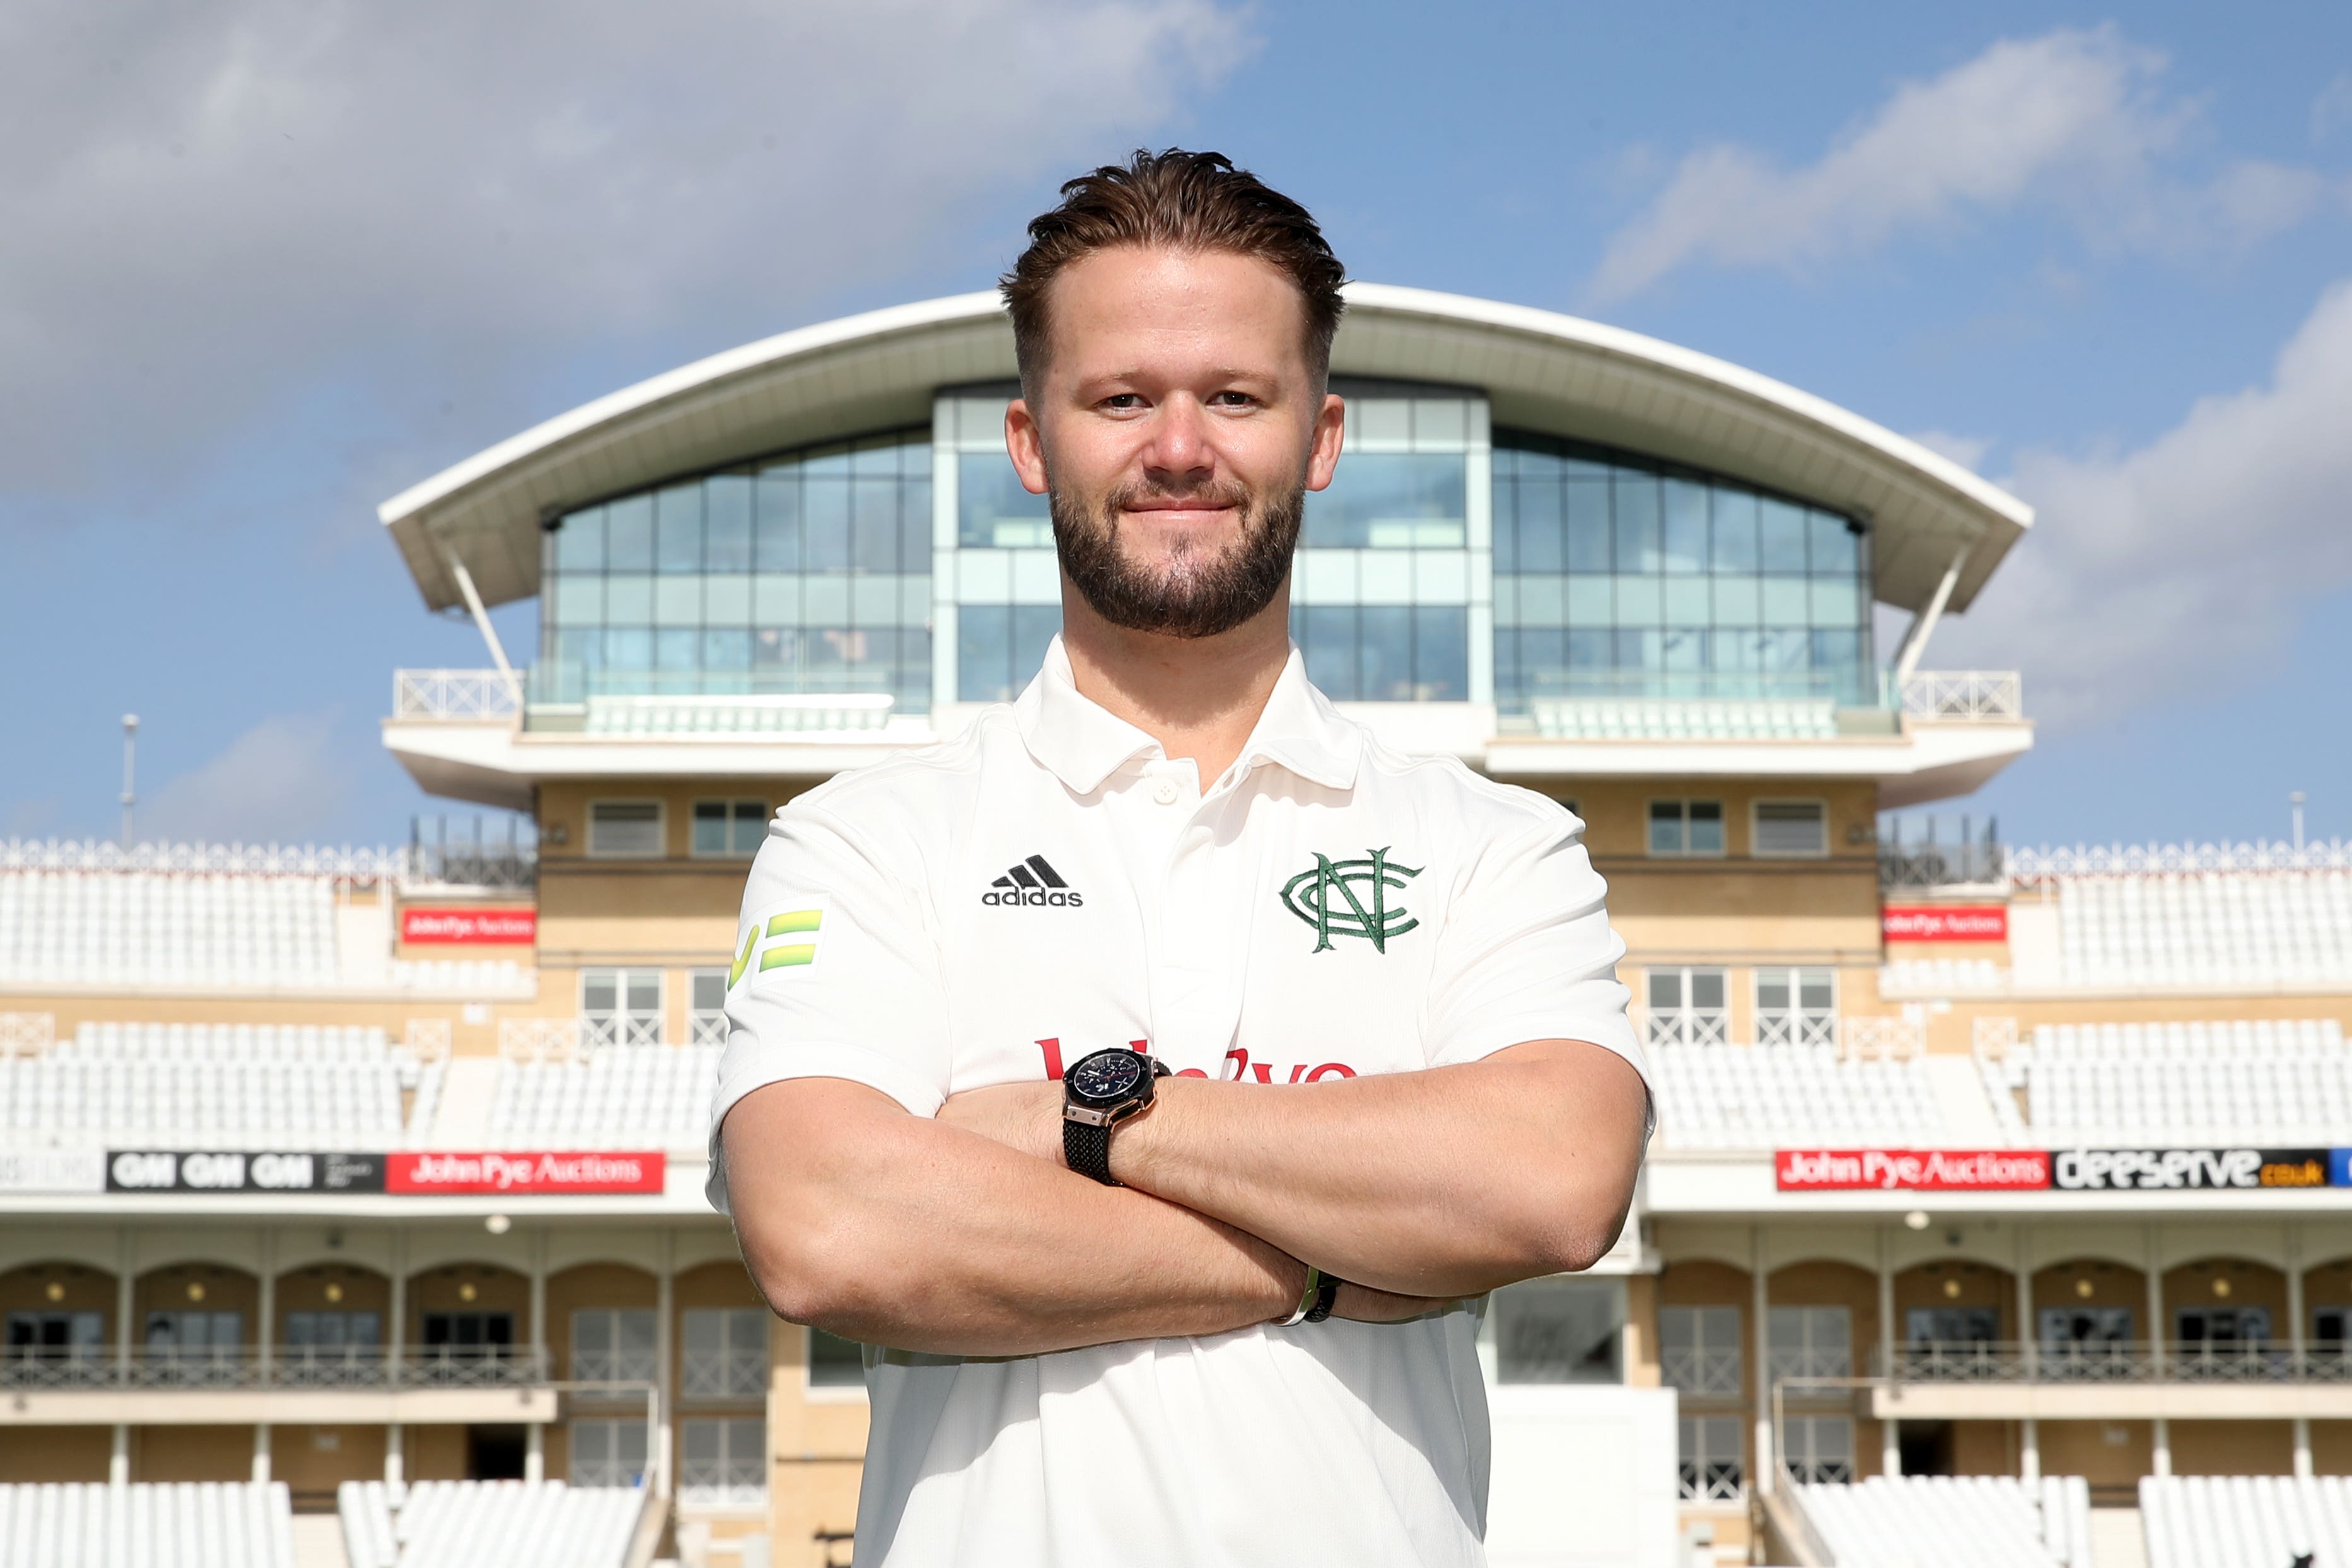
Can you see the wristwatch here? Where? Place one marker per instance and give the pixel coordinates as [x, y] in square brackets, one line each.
[1098, 1093]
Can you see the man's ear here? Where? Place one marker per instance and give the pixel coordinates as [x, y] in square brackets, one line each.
[1025, 442]
[1331, 430]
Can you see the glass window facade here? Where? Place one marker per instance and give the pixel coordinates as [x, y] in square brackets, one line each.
[1387, 586]
[1444, 563]
[1619, 576]
[804, 572]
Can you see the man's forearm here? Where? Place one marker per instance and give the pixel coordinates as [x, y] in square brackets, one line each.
[1441, 1182]
[894, 1229]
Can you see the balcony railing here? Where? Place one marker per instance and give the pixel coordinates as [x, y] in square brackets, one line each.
[455, 696]
[439, 1366]
[1702, 1374]
[1967, 694]
[2120, 1362]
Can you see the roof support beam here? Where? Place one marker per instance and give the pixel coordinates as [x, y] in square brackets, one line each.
[465, 580]
[1915, 640]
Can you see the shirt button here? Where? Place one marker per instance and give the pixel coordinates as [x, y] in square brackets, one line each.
[1164, 791]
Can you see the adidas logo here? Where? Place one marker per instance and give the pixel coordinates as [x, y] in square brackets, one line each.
[1032, 884]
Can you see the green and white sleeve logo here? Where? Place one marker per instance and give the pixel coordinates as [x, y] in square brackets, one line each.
[784, 938]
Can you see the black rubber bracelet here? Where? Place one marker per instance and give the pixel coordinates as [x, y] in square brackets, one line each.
[1087, 1150]
[1324, 1298]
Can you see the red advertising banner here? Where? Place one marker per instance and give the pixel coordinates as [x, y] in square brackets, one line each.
[469, 925]
[539, 1174]
[1946, 923]
[1911, 1170]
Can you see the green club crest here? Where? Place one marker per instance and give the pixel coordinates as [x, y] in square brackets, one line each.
[1351, 898]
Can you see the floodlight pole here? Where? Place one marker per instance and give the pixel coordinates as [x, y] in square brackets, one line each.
[130, 765]
[2294, 808]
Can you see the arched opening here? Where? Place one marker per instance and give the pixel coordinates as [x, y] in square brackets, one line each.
[331, 1325]
[601, 1328]
[1821, 1329]
[1703, 1355]
[60, 1325]
[725, 1356]
[2087, 1319]
[193, 1324]
[2224, 1317]
[1957, 1320]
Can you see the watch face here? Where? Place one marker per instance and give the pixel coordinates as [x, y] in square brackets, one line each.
[1106, 1075]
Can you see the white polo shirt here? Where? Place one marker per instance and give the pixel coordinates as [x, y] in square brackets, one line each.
[1051, 884]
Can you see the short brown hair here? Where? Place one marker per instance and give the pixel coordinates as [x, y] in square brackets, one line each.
[1182, 201]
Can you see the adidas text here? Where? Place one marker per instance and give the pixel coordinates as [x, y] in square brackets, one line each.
[1033, 897]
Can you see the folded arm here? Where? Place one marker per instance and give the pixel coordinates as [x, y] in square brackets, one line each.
[864, 1220]
[1443, 1183]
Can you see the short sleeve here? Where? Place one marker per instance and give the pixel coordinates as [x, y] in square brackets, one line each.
[834, 973]
[1528, 952]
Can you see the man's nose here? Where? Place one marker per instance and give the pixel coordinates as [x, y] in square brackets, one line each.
[1180, 446]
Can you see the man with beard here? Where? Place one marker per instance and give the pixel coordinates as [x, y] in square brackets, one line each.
[1157, 1076]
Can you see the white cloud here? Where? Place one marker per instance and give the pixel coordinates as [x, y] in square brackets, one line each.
[2071, 120]
[2185, 564]
[2331, 112]
[1968, 451]
[245, 216]
[284, 780]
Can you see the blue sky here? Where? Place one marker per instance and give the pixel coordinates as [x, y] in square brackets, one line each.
[272, 263]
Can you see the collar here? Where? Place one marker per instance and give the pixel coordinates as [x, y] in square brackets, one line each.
[1084, 743]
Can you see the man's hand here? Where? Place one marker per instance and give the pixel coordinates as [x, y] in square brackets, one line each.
[1026, 1117]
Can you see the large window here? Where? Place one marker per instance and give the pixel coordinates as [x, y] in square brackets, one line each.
[1383, 601]
[726, 1354]
[613, 1344]
[1700, 1352]
[1616, 576]
[1710, 1463]
[809, 571]
[1558, 1330]
[610, 1453]
[1686, 828]
[1821, 1448]
[706, 1018]
[1688, 1007]
[730, 827]
[1796, 1006]
[835, 1362]
[1811, 1342]
[49, 1336]
[722, 1462]
[620, 1007]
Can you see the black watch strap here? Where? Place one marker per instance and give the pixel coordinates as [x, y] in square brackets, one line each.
[1086, 1149]
[1324, 1297]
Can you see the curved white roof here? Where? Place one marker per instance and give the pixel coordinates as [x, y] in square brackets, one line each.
[1540, 370]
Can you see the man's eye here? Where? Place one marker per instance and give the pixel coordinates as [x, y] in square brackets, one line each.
[1123, 400]
[1233, 400]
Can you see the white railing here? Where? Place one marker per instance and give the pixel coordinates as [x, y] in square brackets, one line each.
[601, 1030]
[461, 695]
[1866, 1038]
[1993, 1036]
[1702, 1374]
[27, 1034]
[737, 1371]
[726, 714]
[1796, 1028]
[1695, 1028]
[2173, 860]
[344, 863]
[1995, 695]
[429, 1039]
[538, 1040]
[707, 1029]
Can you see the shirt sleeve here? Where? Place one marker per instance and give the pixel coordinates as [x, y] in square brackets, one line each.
[1528, 954]
[836, 974]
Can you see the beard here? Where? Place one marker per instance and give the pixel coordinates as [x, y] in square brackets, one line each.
[1202, 589]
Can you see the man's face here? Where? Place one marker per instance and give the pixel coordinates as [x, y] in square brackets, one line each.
[1176, 428]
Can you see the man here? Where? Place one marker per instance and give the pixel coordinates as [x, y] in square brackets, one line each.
[1225, 1314]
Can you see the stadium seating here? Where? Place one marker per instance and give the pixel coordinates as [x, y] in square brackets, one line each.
[1954, 1522]
[487, 1524]
[81, 927]
[215, 1086]
[2206, 928]
[147, 1525]
[2245, 1522]
[2286, 1083]
[619, 1097]
[1750, 1097]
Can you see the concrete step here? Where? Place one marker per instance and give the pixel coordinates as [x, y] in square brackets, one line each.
[2118, 1539]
